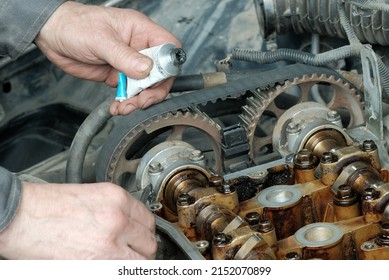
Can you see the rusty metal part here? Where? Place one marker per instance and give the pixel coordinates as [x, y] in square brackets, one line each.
[298, 126]
[265, 103]
[346, 203]
[183, 181]
[305, 163]
[212, 220]
[335, 162]
[186, 214]
[378, 247]
[241, 244]
[283, 208]
[169, 126]
[324, 140]
[383, 238]
[268, 233]
[253, 218]
[375, 201]
[202, 246]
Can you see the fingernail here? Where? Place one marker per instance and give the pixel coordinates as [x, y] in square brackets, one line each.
[142, 64]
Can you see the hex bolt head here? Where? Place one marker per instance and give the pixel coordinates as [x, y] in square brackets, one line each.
[292, 256]
[345, 196]
[216, 181]
[155, 207]
[196, 155]
[220, 239]
[328, 157]
[226, 189]
[333, 116]
[292, 127]
[202, 246]
[304, 159]
[382, 239]
[385, 229]
[368, 246]
[369, 146]
[265, 225]
[252, 218]
[184, 199]
[155, 167]
[370, 194]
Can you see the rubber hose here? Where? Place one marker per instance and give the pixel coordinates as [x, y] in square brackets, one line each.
[353, 39]
[369, 4]
[370, 23]
[87, 131]
[297, 55]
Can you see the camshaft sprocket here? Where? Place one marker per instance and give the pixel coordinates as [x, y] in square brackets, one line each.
[126, 152]
[265, 106]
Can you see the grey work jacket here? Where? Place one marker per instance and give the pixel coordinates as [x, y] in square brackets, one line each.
[20, 22]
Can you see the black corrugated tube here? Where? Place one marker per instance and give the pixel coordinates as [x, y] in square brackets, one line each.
[353, 39]
[297, 55]
[369, 19]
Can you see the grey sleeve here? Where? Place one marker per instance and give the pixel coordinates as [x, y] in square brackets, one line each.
[10, 194]
[20, 22]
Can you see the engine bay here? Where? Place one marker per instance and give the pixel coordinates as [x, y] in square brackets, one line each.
[272, 144]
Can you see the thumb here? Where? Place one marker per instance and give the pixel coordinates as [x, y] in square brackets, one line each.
[129, 61]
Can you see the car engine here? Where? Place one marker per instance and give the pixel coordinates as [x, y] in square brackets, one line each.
[272, 144]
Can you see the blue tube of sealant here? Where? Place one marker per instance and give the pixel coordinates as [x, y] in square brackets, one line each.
[121, 90]
[167, 61]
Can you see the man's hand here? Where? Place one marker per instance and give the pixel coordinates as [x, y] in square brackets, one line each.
[70, 221]
[93, 42]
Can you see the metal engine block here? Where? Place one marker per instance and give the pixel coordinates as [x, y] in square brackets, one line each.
[281, 157]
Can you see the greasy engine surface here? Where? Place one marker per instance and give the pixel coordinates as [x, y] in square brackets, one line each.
[275, 150]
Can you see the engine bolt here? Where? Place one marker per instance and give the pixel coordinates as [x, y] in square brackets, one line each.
[345, 196]
[252, 218]
[328, 157]
[226, 189]
[196, 155]
[333, 116]
[292, 127]
[221, 238]
[216, 181]
[369, 146]
[202, 246]
[155, 167]
[382, 239]
[371, 194]
[156, 207]
[304, 159]
[292, 256]
[184, 199]
[265, 225]
[368, 246]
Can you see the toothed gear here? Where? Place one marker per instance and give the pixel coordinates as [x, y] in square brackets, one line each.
[128, 151]
[264, 107]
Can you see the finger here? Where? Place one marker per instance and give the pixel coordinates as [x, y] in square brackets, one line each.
[144, 100]
[127, 60]
[137, 211]
[154, 95]
[122, 108]
[140, 239]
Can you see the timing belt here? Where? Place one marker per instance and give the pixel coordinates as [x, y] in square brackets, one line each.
[236, 88]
